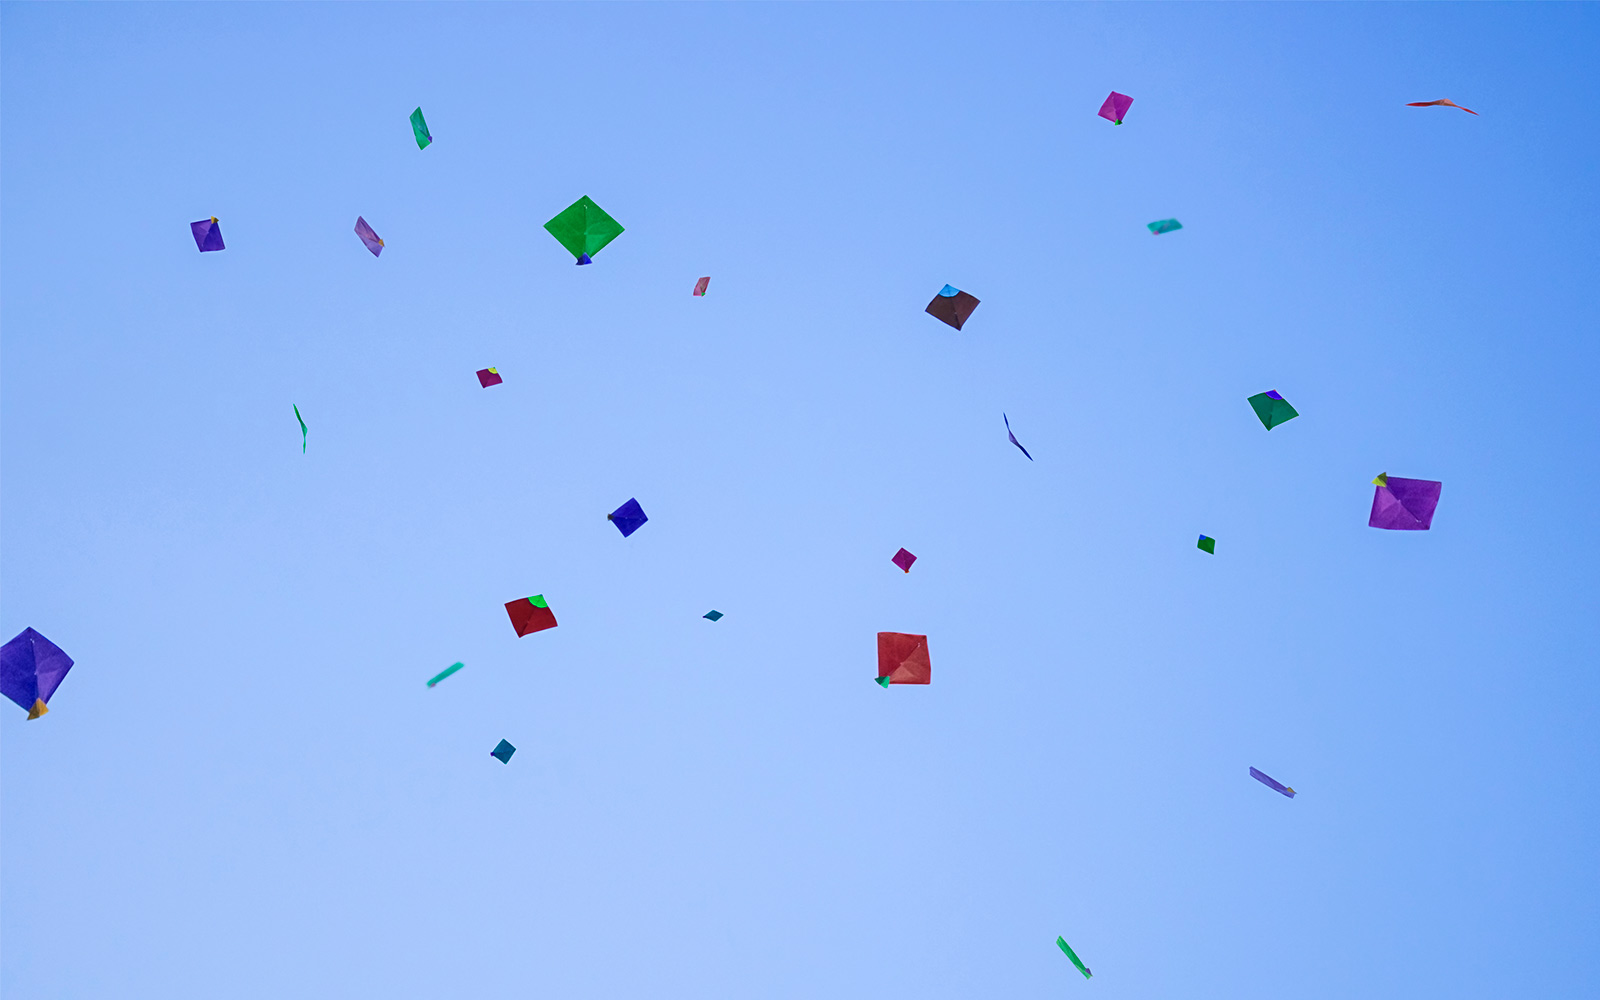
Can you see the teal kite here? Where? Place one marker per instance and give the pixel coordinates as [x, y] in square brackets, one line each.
[1272, 409]
[584, 229]
[419, 128]
[446, 672]
[302, 420]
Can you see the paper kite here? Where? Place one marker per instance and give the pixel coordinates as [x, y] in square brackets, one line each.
[1062, 943]
[1115, 107]
[1164, 226]
[503, 752]
[419, 128]
[1272, 408]
[302, 420]
[446, 672]
[700, 286]
[488, 377]
[368, 237]
[584, 229]
[530, 614]
[628, 518]
[31, 668]
[1403, 504]
[1272, 783]
[1013, 437]
[903, 659]
[952, 306]
[904, 559]
[1441, 102]
[1209, 544]
[207, 234]
[714, 615]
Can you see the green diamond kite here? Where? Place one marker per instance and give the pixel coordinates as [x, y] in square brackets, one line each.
[1272, 408]
[1074, 956]
[1209, 544]
[584, 229]
[419, 128]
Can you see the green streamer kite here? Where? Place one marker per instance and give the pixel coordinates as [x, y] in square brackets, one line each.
[302, 420]
[1074, 956]
[419, 128]
[446, 672]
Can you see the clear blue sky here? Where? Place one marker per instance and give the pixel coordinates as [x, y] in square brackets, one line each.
[244, 789]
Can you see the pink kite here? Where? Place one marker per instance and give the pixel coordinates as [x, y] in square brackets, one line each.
[1115, 107]
[1441, 102]
[700, 286]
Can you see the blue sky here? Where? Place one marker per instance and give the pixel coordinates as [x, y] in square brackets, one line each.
[244, 789]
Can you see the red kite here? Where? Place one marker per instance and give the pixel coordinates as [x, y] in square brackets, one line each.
[1440, 102]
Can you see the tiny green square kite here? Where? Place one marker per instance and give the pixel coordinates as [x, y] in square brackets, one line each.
[1208, 544]
[1272, 408]
[584, 229]
[1062, 942]
[419, 128]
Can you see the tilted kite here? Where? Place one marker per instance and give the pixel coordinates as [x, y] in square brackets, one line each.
[31, 668]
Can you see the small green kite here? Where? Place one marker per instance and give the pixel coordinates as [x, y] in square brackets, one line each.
[1272, 408]
[302, 420]
[1074, 956]
[1208, 544]
[584, 229]
[446, 672]
[419, 127]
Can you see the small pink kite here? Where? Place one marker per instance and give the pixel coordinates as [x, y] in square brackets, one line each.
[1441, 102]
[903, 559]
[1115, 107]
[700, 286]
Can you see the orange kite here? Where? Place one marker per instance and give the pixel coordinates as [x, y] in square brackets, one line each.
[1440, 101]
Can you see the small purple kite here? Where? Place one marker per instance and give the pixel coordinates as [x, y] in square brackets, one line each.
[1115, 107]
[904, 559]
[1272, 783]
[1403, 504]
[1013, 437]
[368, 237]
[628, 518]
[207, 234]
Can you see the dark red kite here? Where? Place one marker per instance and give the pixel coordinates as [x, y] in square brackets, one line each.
[903, 658]
[530, 614]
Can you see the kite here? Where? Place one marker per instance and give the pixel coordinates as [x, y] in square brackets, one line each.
[530, 614]
[302, 420]
[714, 615]
[446, 672]
[883, 682]
[1208, 543]
[584, 229]
[952, 306]
[31, 668]
[419, 128]
[488, 377]
[503, 752]
[1061, 942]
[1272, 783]
[1013, 437]
[700, 286]
[904, 559]
[628, 518]
[1115, 107]
[368, 237]
[207, 234]
[1272, 408]
[1164, 226]
[1441, 102]
[1403, 504]
[903, 659]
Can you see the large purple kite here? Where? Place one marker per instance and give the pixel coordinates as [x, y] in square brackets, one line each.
[1403, 504]
[31, 668]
